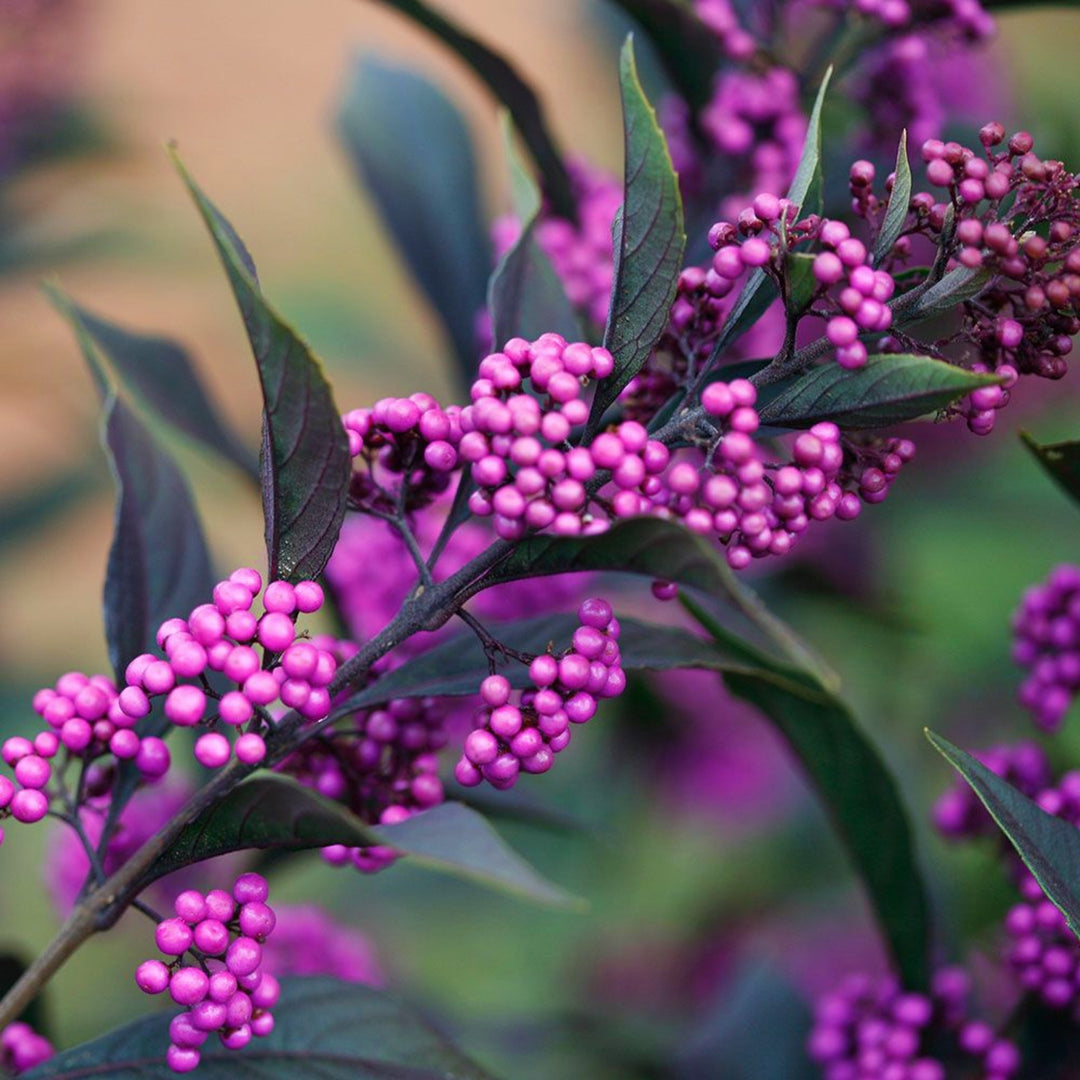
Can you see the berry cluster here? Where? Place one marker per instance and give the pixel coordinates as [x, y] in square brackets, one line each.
[222, 637]
[871, 1029]
[86, 720]
[760, 508]
[862, 292]
[226, 991]
[410, 442]
[22, 1048]
[958, 813]
[527, 476]
[385, 769]
[1046, 630]
[526, 736]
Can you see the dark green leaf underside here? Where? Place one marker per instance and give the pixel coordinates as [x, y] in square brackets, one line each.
[1049, 846]
[1060, 460]
[324, 1028]
[411, 149]
[508, 87]
[890, 389]
[271, 812]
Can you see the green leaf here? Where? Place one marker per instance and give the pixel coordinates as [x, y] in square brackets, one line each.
[305, 454]
[650, 239]
[458, 666]
[760, 290]
[953, 289]
[158, 563]
[509, 88]
[160, 375]
[801, 284]
[525, 296]
[323, 1028]
[1049, 846]
[272, 812]
[1061, 460]
[411, 149]
[897, 211]
[685, 45]
[862, 799]
[655, 549]
[890, 389]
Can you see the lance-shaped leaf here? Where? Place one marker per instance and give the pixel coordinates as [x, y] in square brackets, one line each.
[525, 296]
[305, 454]
[458, 666]
[963, 283]
[685, 45]
[411, 149]
[1061, 460]
[657, 549]
[861, 798]
[890, 389]
[1049, 846]
[760, 290]
[273, 813]
[160, 375]
[158, 564]
[896, 213]
[323, 1027]
[508, 87]
[650, 239]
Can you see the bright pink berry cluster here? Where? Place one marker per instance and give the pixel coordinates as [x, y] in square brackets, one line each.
[226, 990]
[86, 721]
[1046, 631]
[385, 769]
[582, 254]
[526, 736]
[22, 1049]
[757, 507]
[871, 1029]
[400, 441]
[862, 293]
[260, 654]
[527, 476]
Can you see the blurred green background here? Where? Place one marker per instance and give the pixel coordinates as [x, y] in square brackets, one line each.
[681, 899]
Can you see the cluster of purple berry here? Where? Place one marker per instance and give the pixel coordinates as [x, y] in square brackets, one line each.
[526, 476]
[226, 990]
[959, 814]
[87, 721]
[1042, 951]
[222, 636]
[862, 292]
[1046, 631]
[385, 769]
[402, 441]
[567, 689]
[871, 1029]
[757, 507]
[965, 18]
[23, 1049]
